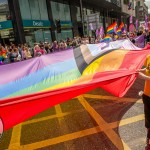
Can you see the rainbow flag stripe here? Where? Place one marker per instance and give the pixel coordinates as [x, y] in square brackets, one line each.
[106, 38]
[119, 31]
[110, 29]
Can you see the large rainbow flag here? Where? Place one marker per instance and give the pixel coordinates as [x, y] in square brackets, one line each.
[32, 86]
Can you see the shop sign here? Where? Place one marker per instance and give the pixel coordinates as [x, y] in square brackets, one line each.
[4, 33]
[36, 23]
[66, 23]
[6, 25]
[93, 21]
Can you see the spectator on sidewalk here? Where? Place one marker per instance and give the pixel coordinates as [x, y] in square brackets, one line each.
[27, 53]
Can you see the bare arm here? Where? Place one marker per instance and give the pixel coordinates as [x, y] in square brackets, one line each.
[142, 70]
[143, 76]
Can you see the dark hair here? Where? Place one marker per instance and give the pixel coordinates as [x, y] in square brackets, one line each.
[133, 41]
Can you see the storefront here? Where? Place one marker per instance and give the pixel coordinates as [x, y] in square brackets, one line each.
[35, 20]
[6, 32]
[37, 31]
[36, 24]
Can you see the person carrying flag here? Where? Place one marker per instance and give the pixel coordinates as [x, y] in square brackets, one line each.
[145, 74]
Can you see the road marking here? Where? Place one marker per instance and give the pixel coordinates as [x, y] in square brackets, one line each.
[112, 98]
[79, 134]
[115, 139]
[72, 136]
[124, 122]
[61, 139]
[58, 115]
[15, 138]
[61, 121]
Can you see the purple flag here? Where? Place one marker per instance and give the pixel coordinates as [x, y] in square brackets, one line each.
[146, 25]
[146, 22]
[146, 17]
[140, 40]
[97, 32]
[102, 31]
[125, 27]
[91, 26]
[115, 30]
[136, 24]
[131, 19]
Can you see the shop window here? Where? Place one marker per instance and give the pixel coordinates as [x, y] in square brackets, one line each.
[63, 35]
[25, 9]
[78, 14]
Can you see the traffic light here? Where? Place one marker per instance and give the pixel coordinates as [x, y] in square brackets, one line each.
[58, 26]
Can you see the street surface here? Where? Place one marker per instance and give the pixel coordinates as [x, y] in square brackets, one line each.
[92, 121]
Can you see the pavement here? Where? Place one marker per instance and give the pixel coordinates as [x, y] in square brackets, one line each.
[93, 121]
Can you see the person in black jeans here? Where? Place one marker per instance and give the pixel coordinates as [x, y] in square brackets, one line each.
[148, 38]
[145, 74]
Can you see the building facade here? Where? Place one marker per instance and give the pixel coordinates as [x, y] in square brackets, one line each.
[141, 10]
[29, 21]
[128, 9]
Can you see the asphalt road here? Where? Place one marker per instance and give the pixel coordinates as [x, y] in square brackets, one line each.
[93, 121]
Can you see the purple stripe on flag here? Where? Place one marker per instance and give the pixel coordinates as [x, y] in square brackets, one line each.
[18, 70]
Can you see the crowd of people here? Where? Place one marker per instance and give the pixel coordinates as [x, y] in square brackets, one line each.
[14, 53]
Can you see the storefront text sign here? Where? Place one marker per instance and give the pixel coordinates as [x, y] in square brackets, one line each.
[36, 23]
[6, 25]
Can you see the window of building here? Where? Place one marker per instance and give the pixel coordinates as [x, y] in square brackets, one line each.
[64, 35]
[33, 9]
[6, 30]
[4, 11]
[37, 35]
[78, 14]
[60, 11]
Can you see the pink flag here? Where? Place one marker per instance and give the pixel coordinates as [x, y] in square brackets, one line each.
[97, 32]
[131, 28]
